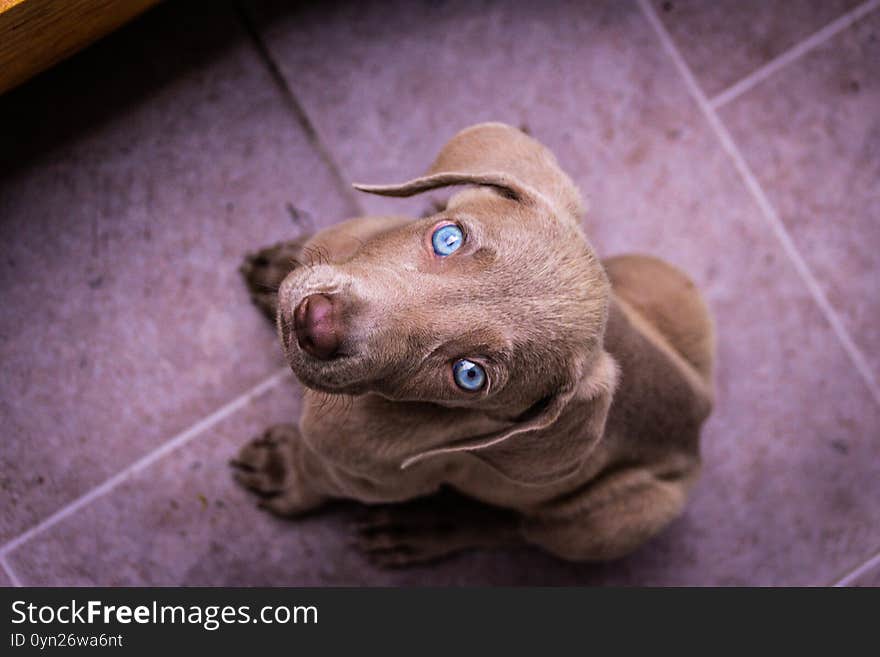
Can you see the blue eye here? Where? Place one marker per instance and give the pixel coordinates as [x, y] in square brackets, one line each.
[447, 239]
[468, 375]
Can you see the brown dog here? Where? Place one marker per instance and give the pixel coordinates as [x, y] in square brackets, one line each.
[487, 349]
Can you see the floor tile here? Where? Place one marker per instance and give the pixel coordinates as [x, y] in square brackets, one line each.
[180, 521]
[386, 84]
[136, 177]
[869, 579]
[812, 137]
[772, 506]
[724, 40]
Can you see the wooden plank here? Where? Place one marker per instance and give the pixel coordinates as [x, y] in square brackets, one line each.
[35, 34]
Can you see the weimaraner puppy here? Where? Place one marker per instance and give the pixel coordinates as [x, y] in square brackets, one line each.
[487, 350]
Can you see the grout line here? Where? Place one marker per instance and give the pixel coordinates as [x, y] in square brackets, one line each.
[13, 578]
[297, 109]
[858, 571]
[764, 204]
[811, 42]
[145, 461]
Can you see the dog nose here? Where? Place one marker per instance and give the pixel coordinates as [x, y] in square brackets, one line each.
[315, 326]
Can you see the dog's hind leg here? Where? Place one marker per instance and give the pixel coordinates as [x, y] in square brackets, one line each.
[612, 516]
[432, 528]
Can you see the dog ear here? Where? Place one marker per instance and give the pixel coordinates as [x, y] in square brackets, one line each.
[554, 437]
[498, 156]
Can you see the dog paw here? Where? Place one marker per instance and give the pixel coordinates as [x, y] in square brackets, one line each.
[267, 466]
[390, 539]
[264, 271]
[401, 535]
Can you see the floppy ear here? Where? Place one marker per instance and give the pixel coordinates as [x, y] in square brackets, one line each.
[554, 437]
[498, 156]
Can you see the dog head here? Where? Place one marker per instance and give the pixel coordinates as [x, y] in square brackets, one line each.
[496, 302]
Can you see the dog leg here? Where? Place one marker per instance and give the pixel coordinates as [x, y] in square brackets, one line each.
[431, 528]
[273, 465]
[610, 518]
[264, 270]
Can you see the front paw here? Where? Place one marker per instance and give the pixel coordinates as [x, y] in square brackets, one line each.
[268, 466]
[264, 271]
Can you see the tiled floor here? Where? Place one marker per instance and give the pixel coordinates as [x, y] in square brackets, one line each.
[134, 176]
